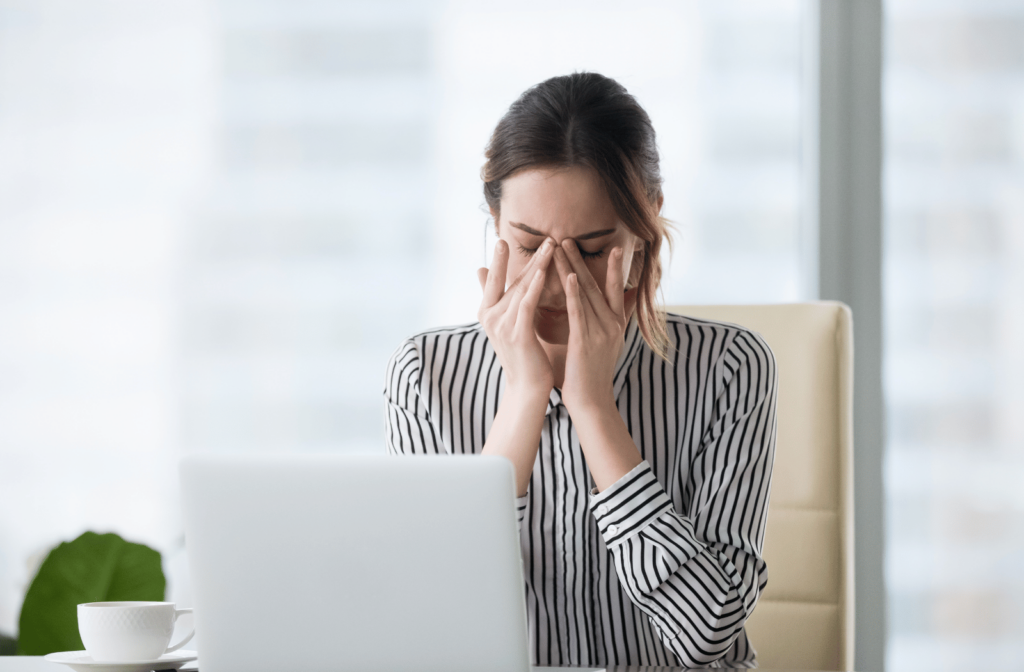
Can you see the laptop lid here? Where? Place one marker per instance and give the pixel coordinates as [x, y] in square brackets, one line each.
[334, 562]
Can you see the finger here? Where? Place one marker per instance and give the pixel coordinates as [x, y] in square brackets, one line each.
[588, 286]
[574, 307]
[564, 271]
[614, 282]
[562, 267]
[528, 306]
[481, 276]
[540, 258]
[527, 273]
[522, 283]
[495, 286]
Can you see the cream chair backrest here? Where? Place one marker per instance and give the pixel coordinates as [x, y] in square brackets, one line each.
[804, 619]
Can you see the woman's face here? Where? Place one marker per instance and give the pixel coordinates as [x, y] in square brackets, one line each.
[562, 203]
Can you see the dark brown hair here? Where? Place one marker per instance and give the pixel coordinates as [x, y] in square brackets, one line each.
[587, 119]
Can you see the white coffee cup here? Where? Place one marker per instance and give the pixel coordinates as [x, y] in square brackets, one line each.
[119, 632]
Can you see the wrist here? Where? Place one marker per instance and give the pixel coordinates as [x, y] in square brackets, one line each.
[526, 396]
[591, 408]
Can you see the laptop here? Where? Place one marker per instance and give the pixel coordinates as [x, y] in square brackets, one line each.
[344, 562]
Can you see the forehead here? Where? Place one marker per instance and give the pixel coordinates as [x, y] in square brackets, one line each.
[559, 202]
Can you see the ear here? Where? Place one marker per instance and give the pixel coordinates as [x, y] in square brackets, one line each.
[636, 266]
[661, 202]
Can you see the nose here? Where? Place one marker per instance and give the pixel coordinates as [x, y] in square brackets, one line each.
[553, 295]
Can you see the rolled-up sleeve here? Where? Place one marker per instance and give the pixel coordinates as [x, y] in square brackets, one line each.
[696, 570]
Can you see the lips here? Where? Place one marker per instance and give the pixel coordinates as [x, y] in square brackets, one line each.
[552, 312]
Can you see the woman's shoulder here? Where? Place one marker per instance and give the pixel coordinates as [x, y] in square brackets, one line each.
[683, 328]
[703, 323]
[428, 355]
[429, 339]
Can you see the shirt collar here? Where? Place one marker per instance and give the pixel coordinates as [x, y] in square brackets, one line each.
[554, 399]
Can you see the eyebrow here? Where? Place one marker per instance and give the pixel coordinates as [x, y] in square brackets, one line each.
[585, 236]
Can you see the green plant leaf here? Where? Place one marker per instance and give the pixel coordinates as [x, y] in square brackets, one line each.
[92, 568]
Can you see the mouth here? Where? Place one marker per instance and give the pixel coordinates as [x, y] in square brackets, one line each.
[551, 312]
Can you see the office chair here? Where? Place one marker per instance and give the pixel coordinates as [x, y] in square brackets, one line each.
[805, 617]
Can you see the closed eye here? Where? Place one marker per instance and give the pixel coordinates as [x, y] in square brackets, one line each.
[590, 255]
[529, 251]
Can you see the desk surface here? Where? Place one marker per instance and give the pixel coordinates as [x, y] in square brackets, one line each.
[37, 664]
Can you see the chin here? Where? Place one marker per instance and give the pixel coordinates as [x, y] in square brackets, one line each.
[553, 331]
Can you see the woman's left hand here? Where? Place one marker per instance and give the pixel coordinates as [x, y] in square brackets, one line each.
[597, 324]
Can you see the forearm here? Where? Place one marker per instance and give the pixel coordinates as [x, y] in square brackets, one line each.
[606, 443]
[515, 433]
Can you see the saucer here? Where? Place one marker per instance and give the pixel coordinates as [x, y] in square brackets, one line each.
[81, 661]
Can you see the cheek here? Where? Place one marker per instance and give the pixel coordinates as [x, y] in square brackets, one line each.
[598, 269]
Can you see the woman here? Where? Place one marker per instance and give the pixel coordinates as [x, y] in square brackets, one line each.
[642, 442]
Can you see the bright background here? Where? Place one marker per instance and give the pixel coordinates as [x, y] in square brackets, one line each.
[219, 218]
[954, 330]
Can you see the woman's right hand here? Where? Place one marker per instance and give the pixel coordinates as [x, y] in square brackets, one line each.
[508, 318]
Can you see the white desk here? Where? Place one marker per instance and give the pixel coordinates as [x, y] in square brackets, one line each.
[37, 664]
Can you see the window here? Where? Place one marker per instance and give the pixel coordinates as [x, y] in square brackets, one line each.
[218, 219]
[954, 250]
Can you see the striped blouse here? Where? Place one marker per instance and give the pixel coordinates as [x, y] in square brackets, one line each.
[664, 566]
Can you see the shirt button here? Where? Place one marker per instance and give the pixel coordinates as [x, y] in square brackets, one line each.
[612, 529]
[602, 509]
